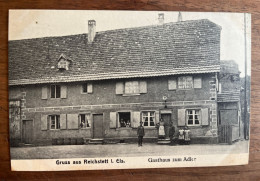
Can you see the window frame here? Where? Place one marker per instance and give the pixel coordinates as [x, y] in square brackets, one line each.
[133, 93]
[89, 120]
[178, 82]
[149, 120]
[63, 64]
[118, 119]
[193, 117]
[57, 121]
[82, 92]
[55, 91]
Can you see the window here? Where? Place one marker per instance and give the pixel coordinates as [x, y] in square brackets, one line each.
[85, 88]
[185, 82]
[148, 118]
[14, 110]
[54, 121]
[85, 121]
[193, 117]
[63, 64]
[132, 87]
[124, 119]
[55, 91]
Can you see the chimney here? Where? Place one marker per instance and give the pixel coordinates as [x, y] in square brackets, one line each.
[91, 30]
[179, 17]
[161, 18]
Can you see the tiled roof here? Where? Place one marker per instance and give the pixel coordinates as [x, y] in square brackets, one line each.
[229, 96]
[168, 49]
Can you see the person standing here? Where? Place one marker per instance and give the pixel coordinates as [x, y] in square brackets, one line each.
[187, 135]
[140, 133]
[161, 131]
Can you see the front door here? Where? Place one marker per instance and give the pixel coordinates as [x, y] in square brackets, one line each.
[98, 125]
[167, 121]
[27, 131]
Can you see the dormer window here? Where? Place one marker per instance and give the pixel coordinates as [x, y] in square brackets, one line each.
[64, 62]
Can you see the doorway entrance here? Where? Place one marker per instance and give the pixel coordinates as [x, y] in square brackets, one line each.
[167, 122]
[27, 131]
[97, 125]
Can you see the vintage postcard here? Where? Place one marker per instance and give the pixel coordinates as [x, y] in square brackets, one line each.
[128, 89]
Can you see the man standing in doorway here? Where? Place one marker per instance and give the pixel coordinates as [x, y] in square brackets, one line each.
[140, 133]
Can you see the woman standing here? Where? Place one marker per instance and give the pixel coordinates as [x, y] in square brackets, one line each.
[161, 129]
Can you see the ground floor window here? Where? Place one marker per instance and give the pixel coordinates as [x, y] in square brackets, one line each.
[85, 121]
[124, 119]
[193, 117]
[54, 121]
[148, 118]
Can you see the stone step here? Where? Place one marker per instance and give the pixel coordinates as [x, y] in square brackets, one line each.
[163, 142]
[96, 141]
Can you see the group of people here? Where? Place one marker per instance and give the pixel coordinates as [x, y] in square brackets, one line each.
[183, 134]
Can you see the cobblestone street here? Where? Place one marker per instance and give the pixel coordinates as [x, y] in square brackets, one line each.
[125, 150]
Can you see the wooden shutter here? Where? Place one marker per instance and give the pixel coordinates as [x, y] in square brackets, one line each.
[72, 121]
[90, 88]
[172, 84]
[44, 92]
[204, 116]
[119, 88]
[44, 122]
[143, 86]
[157, 117]
[63, 120]
[112, 123]
[197, 82]
[135, 119]
[63, 91]
[181, 117]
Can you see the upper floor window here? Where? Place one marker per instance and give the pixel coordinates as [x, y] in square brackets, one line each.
[86, 88]
[148, 118]
[54, 121]
[55, 91]
[185, 82]
[131, 87]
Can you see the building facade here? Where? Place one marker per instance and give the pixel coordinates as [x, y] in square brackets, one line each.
[100, 85]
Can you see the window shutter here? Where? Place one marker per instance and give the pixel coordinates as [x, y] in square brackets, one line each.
[44, 122]
[44, 92]
[112, 123]
[135, 119]
[63, 121]
[73, 121]
[181, 117]
[119, 88]
[63, 91]
[90, 88]
[197, 82]
[172, 84]
[157, 117]
[204, 116]
[143, 86]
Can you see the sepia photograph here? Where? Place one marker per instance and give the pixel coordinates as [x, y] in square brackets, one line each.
[128, 89]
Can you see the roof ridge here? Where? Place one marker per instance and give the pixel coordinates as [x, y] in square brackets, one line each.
[120, 29]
